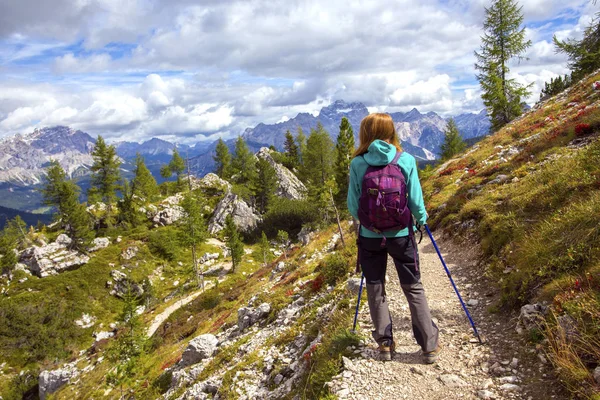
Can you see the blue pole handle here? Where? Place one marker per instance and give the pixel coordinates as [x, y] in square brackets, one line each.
[462, 303]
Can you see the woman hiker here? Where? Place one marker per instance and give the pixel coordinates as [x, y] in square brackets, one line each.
[380, 165]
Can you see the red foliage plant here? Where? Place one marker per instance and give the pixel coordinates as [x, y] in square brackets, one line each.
[583, 129]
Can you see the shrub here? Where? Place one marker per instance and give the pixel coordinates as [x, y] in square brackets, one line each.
[288, 215]
[334, 268]
[583, 129]
[163, 243]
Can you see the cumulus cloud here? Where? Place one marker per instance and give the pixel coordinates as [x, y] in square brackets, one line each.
[135, 69]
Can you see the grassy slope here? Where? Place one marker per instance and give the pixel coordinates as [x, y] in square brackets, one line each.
[530, 195]
[216, 310]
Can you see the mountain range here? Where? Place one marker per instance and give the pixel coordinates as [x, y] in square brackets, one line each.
[23, 158]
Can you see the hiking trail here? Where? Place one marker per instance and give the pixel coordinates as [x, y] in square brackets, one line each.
[506, 367]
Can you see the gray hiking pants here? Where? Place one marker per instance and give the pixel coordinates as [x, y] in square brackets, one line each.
[373, 259]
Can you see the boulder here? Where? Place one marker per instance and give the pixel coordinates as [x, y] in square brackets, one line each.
[208, 256]
[353, 285]
[121, 285]
[99, 243]
[51, 381]
[243, 216]
[289, 186]
[212, 181]
[531, 316]
[52, 258]
[129, 252]
[199, 348]
[86, 321]
[168, 215]
[248, 316]
[596, 374]
[305, 235]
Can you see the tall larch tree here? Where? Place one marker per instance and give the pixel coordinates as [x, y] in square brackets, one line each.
[503, 40]
[344, 149]
[301, 141]
[234, 242]
[177, 165]
[291, 150]
[105, 173]
[222, 160]
[244, 163]
[584, 54]
[266, 184]
[453, 142]
[143, 184]
[193, 230]
[318, 157]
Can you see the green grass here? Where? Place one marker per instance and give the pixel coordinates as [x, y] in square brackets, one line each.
[543, 226]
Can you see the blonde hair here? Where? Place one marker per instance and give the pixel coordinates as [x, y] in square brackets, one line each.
[376, 126]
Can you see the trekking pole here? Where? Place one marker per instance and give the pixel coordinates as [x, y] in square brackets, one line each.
[358, 302]
[462, 303]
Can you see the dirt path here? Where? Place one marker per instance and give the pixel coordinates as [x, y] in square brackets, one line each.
[504, 368]
[162, 317]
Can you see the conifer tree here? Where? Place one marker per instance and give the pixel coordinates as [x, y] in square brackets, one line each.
[63, 195]
[301, 140]
[291, 150]
[193, 230]
[266, 184]
[584, 54]
[105, 174]
[503, 40]
[234, 242]
[453, 142]
[343, 155]
[318, 158]
[244, 163]
[264, 249]
[143, 184]
[10, 238]
[177, 165]
[222, 160]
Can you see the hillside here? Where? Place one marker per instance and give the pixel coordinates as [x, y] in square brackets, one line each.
[29, 218]
[529, 195]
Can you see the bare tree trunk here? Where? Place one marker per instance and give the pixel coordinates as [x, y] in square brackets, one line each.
[337, 217]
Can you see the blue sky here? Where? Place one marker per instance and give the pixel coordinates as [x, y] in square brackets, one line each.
[187, 71]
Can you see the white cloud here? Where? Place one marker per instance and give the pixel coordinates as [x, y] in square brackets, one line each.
[217, 67]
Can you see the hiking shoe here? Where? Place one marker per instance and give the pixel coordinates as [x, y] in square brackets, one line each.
[431, 357]
[387, 349]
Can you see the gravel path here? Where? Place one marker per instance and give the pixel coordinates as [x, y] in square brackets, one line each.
[503, 368]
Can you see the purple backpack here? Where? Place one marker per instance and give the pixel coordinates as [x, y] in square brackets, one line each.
[383, 203]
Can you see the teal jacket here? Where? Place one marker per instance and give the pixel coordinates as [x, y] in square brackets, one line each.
[383, 153]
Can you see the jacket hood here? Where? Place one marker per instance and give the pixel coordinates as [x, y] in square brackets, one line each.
[380, 153]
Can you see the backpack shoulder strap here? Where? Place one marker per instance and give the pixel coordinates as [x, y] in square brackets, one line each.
[396, 157]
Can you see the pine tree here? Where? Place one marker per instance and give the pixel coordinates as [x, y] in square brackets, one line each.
[193, 230]
[105, 175]
[453, 142]
[503, 40]
[301, 140]
[143, 183]
[264, 250]
[318, 159]
[244, 163]
[234, 242]
[177, 165]
[291, 151]
[344, 150]
[266, 184]
[584, 54]
[11, 237]
[222, 159]
[63, 195]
